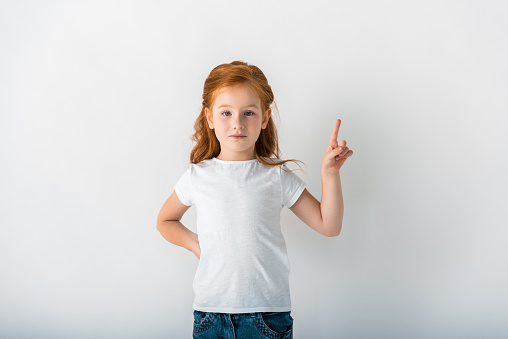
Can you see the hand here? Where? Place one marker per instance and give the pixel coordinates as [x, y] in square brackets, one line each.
[336, 153]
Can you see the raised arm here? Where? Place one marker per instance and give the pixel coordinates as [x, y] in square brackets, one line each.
[326, 217]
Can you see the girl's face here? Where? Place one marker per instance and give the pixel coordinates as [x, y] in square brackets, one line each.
[237, 111]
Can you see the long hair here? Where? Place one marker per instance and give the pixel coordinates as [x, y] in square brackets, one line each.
[225, 75]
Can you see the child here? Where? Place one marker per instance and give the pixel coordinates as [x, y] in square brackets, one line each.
[242, 281]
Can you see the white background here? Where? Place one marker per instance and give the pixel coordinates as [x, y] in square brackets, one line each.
[98, 101]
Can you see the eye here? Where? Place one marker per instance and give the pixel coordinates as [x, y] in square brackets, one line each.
[249, 115]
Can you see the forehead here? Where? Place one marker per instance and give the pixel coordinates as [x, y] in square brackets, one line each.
[237, 95]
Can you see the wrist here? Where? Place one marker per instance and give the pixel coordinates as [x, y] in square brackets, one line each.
[326, 174]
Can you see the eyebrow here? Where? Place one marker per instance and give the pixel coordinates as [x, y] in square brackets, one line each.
[243, 107]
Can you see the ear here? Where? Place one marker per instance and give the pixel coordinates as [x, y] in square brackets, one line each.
[266, 117]
[209, 117]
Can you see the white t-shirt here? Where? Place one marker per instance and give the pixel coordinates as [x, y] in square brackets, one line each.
[244, 266]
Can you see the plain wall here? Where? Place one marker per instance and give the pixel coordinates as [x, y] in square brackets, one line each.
[98, 101]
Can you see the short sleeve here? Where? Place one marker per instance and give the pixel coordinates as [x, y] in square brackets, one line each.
[292, 186]
[183, 188]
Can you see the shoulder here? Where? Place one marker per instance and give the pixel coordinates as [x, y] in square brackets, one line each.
[202, 164]
[275, 167]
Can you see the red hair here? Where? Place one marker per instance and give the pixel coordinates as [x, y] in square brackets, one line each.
[232, 74]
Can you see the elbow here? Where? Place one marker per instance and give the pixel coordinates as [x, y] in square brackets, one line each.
[162, 224]
[335, 232]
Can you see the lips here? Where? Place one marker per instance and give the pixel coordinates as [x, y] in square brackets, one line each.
[238, 136]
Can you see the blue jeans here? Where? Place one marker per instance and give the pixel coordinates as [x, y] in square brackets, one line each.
[258, 325]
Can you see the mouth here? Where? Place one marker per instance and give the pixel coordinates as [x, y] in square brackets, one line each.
[238, 136]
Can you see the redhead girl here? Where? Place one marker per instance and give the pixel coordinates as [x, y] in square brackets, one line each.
[239, 186]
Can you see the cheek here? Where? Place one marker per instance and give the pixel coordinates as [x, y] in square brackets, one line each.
[255, 122]
[221, 123]
[221, 127]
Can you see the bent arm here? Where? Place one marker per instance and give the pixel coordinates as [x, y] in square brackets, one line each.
[170, 227]
[176, 233]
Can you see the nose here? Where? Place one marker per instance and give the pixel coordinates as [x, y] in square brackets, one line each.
[237, 124]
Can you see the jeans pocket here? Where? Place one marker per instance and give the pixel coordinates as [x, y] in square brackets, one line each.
[202, 321]
[199, 317]
[275, 325]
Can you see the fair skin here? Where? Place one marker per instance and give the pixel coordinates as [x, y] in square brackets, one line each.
[237, 110]
[243, 115]
[326, 217]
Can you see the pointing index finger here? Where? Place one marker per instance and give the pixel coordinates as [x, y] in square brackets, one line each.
[335, 133]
